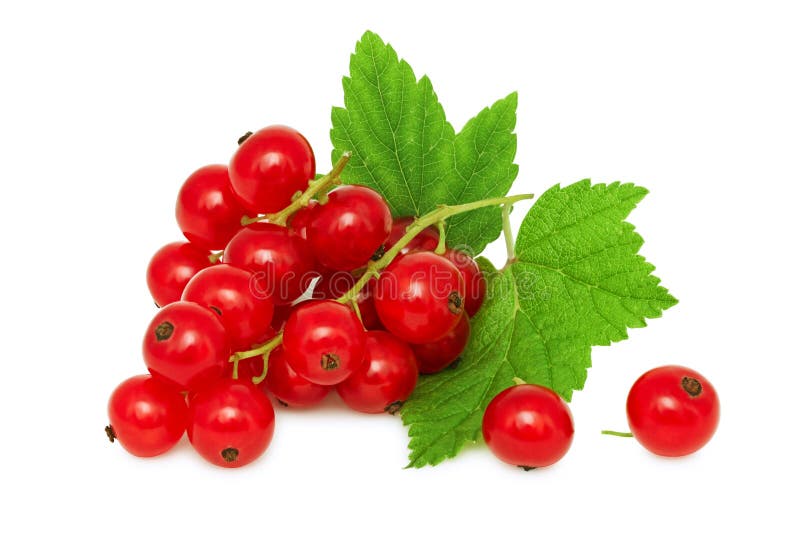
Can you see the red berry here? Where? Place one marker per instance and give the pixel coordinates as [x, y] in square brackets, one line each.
[346, 231]
[436, 356]
[528, 425]
[283, 262]
[289, 387]
[324, 341]
[672, 410]
[419, 297]
[385, 379]
[230, 422]
[427, 239]
[269, 167]
[300, 221]
[171, 268]
[474, 281]
[185, 344]
[147, 416]
[335, 284]
[230, 292]
[207, 211]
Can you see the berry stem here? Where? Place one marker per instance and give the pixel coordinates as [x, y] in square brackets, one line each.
[374, 268]
[616, 433]
[214, 257]
[508, 234]
[321, 185]
[441, 247]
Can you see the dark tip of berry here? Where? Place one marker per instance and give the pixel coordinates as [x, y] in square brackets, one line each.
[230, 454]
[164, 331]
[244, 138]
[110, 433]
[394, 408]
[691, 386]
[282, 403]
[215, 309]
[379, 253]
[455, 363]
[329, 362]
[526, 468]
[157, 305]
[455, 302]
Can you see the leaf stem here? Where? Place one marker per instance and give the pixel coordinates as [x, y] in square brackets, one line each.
[616, 433]
[314, 187]
[508, 234]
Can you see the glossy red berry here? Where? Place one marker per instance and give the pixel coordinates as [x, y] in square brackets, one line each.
[474, 281]
[289, 387]
[186, 345]
[436, 356]
[347, 231]
[673, 410]
[231, 422]
[528, 426]
[171, 268]
[324, 341]
[269, 167]
[385, 379]
[147, 416]
[335, 284]
[232, 294]
[283, 263]
[207, 211]
[427, 239]
[419, 297]
[300, 221]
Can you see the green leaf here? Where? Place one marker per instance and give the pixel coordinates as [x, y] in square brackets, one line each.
[485, 150]
[404, 148]
[578, 282]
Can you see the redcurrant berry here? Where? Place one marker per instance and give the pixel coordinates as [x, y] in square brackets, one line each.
[185, 344]
[207, 211]
[347, 231]
[147, 416]
[673, 410]
[283, 263]
[528, 425]
[300, 221]
[419, 297]
[269, 167]
[231, 293]
[324, 341]
[474, 281]
[231, 422]
[171, 268]
[385, 379]
[427, 239]
[289, 387]
[435, 356]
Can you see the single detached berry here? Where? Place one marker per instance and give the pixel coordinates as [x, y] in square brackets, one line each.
[419, 297]
[474, 281]
[427, 239]
[231, 422]
[147, 416]
[171, 268]
[186, 345]
[283, 263]
[207, 211]
[350, 228]
[438, 355]
[324, 341]
[385, 379]
[528, 426]
[270, 167]
[673, 410]
[287, 386]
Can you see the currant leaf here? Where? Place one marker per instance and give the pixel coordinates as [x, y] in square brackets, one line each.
[578, 282]
[403, 146]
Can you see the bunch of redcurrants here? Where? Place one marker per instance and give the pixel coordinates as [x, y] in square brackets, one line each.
[291, 305]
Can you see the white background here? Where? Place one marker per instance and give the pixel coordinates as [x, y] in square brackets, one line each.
[105, 109]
